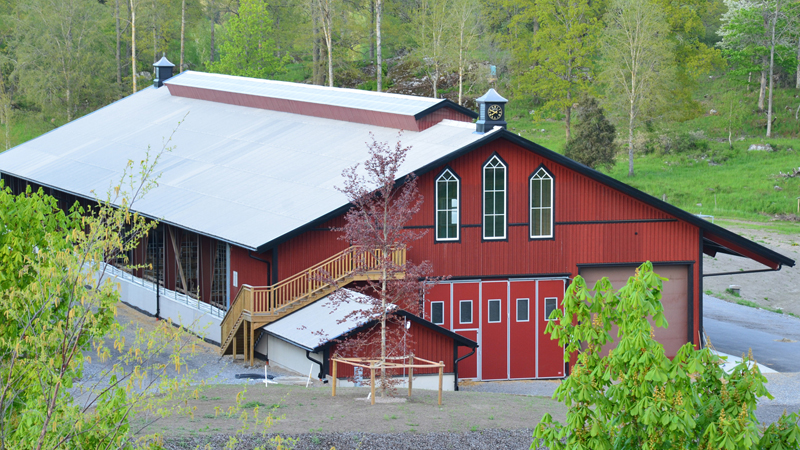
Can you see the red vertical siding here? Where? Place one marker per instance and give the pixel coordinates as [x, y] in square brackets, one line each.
[249, 271]
[425, 343]
[587, 227]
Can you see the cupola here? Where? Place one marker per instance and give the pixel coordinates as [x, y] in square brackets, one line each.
[492, 111]
[163, 71]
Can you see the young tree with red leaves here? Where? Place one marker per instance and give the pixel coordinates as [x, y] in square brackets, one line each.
[375, 227]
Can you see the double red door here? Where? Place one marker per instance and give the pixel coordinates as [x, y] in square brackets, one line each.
[508, 319]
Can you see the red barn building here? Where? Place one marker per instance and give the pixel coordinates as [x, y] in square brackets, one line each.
[247, 201]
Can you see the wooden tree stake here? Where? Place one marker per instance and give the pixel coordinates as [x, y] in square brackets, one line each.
[441, 375]
[372, 381]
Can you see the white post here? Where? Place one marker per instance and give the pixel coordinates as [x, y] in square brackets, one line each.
[309, 374]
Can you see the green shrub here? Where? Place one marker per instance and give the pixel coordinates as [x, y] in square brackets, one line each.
[635, 397]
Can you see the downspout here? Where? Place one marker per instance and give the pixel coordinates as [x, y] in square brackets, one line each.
[269, 266]
[455, 365]
[321, 366]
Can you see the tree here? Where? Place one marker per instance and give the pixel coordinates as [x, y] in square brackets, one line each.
[637, 58]
[593, 143]
[248, 48]
[432, 22]
[326, 17]
[562, 53]
[637, 397]
[467, 26]
[375, 226]
[59, 313]
[62, 53]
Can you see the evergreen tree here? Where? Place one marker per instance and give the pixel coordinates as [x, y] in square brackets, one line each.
[593, 142]
[248, 48]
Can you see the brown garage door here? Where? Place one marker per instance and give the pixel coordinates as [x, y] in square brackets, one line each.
[674, 298]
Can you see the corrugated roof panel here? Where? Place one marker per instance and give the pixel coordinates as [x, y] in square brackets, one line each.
[244, 175]
[319, 322]
[323, 95]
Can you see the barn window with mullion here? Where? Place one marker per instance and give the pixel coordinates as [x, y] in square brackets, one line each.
[155, 255]
[190, 255]
[494, 199]
[447, 187]
[541, 204]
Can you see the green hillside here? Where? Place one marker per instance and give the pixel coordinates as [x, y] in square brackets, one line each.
[704, 175]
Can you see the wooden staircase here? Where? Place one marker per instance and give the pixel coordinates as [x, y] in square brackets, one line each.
[257, 306]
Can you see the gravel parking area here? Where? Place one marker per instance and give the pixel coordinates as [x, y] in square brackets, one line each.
[483, 439]
[542, 388]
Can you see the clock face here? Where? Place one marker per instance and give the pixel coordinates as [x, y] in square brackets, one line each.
[495, 112]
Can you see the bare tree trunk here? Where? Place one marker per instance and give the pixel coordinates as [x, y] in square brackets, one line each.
[435, 81]
[213, 26]
[69, 106]
[183, 32]
[119, 62]
[155, 33]
[372, 31]
[379, 64]
[772, 68]
[315, 44]
[133, 44]
[327, 30]
[763, 89]
[460, 64]
[568, 118]
[797, 83]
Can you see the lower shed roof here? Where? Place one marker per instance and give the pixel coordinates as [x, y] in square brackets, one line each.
[319, 324]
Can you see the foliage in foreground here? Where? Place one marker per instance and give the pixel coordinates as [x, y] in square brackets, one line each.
[635, 397]
[59, 314]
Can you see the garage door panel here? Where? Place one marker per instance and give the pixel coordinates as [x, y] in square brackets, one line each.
[438, 297]
[522, 343]
[674, 298]
[550, 353]
[494, 330]
[466, 299]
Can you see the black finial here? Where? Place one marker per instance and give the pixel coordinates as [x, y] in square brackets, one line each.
[163, 71]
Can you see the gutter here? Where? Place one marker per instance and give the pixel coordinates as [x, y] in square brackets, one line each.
[455, 366]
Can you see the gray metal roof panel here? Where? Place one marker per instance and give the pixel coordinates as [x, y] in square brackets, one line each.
[324, 95]
[319, 322]
[244, 175]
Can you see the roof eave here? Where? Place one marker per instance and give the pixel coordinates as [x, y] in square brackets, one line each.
[445, 103]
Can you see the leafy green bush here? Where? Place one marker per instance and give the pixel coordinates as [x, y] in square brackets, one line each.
[676, 143]
[635, 397]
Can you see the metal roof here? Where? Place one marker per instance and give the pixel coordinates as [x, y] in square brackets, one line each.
[314, 325]
[323, 95]
[491, 96]
[243, 175]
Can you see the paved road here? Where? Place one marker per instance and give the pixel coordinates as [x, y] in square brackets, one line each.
[735, 329]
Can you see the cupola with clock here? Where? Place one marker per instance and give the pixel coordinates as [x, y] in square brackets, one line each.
[492, 111]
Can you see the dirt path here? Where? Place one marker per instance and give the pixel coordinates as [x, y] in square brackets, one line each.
[768, 289]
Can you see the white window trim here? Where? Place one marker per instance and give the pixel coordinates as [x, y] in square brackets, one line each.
[471, 312]
[546, 317]
[533, 178]
[441, 303]
[457, 209]
[529, 309]
[489, 310]
[505, 199]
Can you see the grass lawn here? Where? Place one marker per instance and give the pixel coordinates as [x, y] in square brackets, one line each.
[313, 410]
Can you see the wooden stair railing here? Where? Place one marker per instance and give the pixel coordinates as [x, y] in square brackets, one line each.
[262, 305]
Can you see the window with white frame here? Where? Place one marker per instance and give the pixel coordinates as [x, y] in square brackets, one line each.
[523, 308]
[465, 311]
[494, 311]
[437, 313]
[541, 204]
[550, 305]
[447, 206]
[494, 199]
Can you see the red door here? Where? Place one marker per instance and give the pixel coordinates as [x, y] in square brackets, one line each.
[522, 329]
[437, 305]
[550, 355]
[494, 330]
[466, 299]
